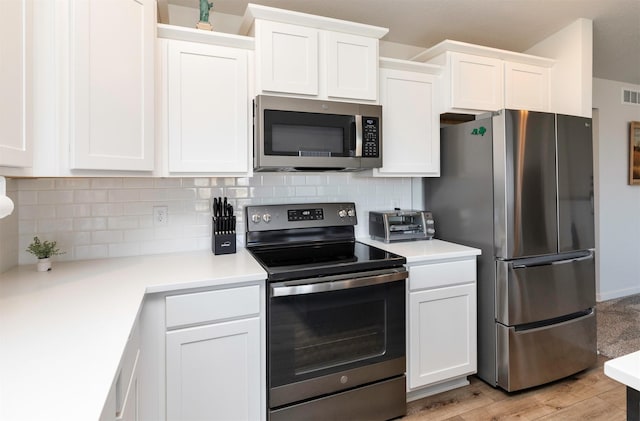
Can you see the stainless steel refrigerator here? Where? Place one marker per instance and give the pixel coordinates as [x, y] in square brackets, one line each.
[519, 185]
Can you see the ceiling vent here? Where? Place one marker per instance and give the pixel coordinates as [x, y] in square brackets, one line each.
[630, 96]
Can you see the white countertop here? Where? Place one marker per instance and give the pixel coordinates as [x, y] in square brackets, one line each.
[625, 369]
[63, 332]
[424, 250]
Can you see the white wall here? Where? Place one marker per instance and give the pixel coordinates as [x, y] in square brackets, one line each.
[618, 204]
[110, 217]
[571, 76]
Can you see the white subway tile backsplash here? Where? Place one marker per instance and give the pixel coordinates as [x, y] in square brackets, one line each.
[55, 225]
[124, 195]
[55, 196]
[72, 183]
[106, 237]
[94, 251]
[73, 210]
[91, 196]
[90, 224]
[109, 217]
[107, 209]
[107, 183]
[28, 197]
[137, 183]
[122, 222]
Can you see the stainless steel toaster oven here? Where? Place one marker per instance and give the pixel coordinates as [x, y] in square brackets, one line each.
[401, 225]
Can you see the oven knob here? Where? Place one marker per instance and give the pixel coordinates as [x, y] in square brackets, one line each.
[342, 213]
[266, 217]
[351, 213]
[255, 218]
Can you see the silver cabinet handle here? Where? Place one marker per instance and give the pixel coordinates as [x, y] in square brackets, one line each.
[283, 290]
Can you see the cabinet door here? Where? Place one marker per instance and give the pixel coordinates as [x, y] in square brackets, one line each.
[213, 372]
[526, 87]
[352, 66]
[411, 131]
[442, 334]
[208, 108]
[112, 84]
[287, 58]
[476, 82]
[15, 148]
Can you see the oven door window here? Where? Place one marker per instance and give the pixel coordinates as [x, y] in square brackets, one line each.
[290, 133]
[312, 335]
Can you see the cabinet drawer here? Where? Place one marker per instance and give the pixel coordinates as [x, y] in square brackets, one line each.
[442, 274]
[210, 306]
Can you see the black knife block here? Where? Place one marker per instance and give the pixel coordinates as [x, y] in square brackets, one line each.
[222, 242]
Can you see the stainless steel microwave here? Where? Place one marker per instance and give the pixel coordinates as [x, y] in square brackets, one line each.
[295, 134]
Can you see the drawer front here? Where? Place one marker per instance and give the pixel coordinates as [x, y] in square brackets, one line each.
[442, 274]
[536, 356]
[211, 306]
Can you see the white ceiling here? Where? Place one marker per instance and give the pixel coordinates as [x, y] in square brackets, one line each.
[512, 25]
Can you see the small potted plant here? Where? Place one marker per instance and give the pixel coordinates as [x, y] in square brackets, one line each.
[43, 250]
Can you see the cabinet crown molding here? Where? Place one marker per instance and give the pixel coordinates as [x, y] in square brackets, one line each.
[479, 50]
[411, 66]
[182, 33]
[255, 11]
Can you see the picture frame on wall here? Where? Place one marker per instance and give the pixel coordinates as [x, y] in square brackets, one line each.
[634, 153]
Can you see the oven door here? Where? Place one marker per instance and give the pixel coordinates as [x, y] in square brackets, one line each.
[343, 332]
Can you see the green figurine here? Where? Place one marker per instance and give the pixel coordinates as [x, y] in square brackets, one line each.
[204, 10]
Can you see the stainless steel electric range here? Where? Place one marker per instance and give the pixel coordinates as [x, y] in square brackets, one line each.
[335, 315]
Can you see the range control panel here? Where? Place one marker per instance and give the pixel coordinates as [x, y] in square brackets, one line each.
[304, 215]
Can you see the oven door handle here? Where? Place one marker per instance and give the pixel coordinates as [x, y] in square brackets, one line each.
[283, 290]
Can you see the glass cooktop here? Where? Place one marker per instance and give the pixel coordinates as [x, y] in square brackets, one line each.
[322, 259]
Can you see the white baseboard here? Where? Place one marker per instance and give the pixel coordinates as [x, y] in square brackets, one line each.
[436, 388]
[610, 295]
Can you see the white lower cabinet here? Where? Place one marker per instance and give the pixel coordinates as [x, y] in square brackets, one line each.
[123, 401]
[213, 355]
[441, 325]
[213, 371]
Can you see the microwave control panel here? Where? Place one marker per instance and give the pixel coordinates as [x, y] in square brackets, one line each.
[370, 137]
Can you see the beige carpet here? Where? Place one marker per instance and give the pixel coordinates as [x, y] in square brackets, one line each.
[619, 326]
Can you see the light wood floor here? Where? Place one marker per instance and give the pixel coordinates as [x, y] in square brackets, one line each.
[589, 395]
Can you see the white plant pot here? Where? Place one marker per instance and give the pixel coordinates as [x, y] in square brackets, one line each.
[44, 264]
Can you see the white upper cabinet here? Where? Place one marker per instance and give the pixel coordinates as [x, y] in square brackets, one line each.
[352, 64]
[478, 79]
[476, 82]
[411, 126]
[112, 84]
[526, 87]
[205, 122]
[15, 144]
[287, 58]
[305, 55]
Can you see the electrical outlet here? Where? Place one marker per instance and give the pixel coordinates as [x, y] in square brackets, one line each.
[160, 215]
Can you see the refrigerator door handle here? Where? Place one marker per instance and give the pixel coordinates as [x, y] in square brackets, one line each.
[552, 260]
[579, 259]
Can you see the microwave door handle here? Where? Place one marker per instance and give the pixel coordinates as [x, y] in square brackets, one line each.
[358, 135]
